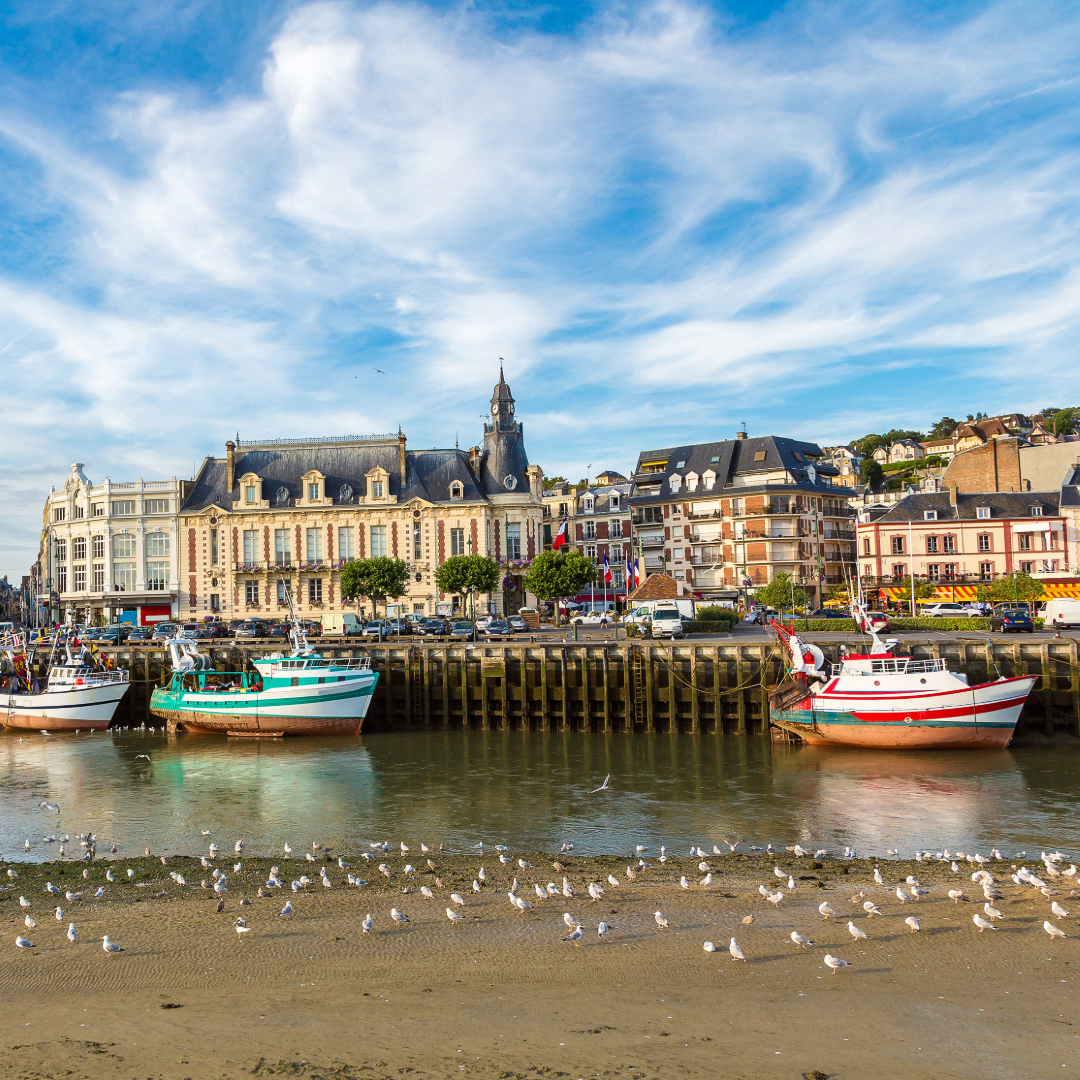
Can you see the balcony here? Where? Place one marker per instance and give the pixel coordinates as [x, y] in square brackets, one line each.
[768, 511]
[248, 568]
[838, 534]
[651, 515]
[777, 532]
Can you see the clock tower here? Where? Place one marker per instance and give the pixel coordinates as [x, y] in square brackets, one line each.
[504, 463]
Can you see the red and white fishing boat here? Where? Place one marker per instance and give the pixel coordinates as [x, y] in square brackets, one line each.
[896, 702]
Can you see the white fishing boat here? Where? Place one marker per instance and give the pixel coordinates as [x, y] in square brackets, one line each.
[302, 693]
[80, 692]
[883, 700]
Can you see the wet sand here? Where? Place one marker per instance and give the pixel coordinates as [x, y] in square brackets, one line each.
[502, 996]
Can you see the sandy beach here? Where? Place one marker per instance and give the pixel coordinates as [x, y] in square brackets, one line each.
[502, 995]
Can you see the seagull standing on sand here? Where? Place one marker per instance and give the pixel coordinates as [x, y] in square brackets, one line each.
[1058, 910]
[287, 909]
[709, 947]
[595, 891]
[736, 952]
[661, 922]
[574, 935]
[855, 932]
[981, 923]
[367, 924]
[1052, 930]
[23, 943]
[825, 910]
[913, 923]
[59, 915]
[799, 940]
[835, 963]
[29, 922]
[454, 916]
[398, 916]
[110, 946]
[71, 933]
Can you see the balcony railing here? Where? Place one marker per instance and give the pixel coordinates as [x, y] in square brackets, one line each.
[838, 534]
[652, 516]
[247, 568]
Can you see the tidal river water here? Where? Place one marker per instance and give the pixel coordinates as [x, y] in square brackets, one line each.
[528, 790]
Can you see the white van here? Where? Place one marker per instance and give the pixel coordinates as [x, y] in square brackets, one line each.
[345, 623]
[1061, 613]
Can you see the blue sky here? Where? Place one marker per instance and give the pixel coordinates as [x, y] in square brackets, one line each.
[818, 218]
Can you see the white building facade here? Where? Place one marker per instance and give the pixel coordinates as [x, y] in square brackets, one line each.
[110, 551]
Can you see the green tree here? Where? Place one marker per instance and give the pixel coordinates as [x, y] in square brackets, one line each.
[868, 444]
[556, 575]
[1015, 586]
[464, 574]
[872, 473]
[378, 580]
[1063, 421]
[944, 428]
[781, 593]
[551, 481]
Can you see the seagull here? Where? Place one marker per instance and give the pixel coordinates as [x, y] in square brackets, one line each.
[800, 940]
[71, 933]
[521, 905]
[427, 892]
[709, 947]
[776, 897]
[736, 952]
[777, 872]
[981, 923]
[877, 876]
[287, 909]
[23, 902]
[856, 932]
[602, 930]
[398, 916]
[475, 885]
[835, 963]
[595, 891]
[569, 919]
[541, 892]
[683, 883]
[871, 908]
[825, 910]
[992, 912]
[482, 874]
[59, 915]
[22, 942]
[29, 922]
[110, 946]
[612, 880]
[956, 895]
[51, 888]
[454, 916]
[524, 865]
[367, 924]
[145, 756]
[457, 899]
[1058, 910]
[241, 927]
[574, 935]
[603, 786]
[748, 920]
[567, 889]
[1052, 930]
[50, 806]
[661, 922]
[913, 923]
[78, 896]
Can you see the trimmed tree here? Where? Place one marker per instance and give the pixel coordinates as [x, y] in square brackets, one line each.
[378, 580]
[778, 593]
[557, 575]
[1015, 586]
[464, 574]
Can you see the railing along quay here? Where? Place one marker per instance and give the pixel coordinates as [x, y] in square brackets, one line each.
[717, 688]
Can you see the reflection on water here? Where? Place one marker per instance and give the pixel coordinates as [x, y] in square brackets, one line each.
[530, 790]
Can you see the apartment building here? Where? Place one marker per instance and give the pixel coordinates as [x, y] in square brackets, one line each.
[965, 539]
[109, 550]
[724, 517]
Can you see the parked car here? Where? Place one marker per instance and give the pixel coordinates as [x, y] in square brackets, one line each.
[829, 613]
[403, 626]
[234, 625]
[498, 628]
[1015, 618]
[434, 627]
[1061, 613]
[140, 633]
[464, 629]
[879, 621]
[946, 610]
[278, 630]
[591, 618]
[517, 624]
[251, 628]
[483, 621]
[374, 628]
[112, 635]
[164, 631]
[667, 622]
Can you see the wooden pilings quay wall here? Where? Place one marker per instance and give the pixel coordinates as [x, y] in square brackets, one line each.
[715, 689]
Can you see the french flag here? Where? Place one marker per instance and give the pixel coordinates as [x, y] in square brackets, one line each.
[608, 576]
[561, 536]
[629, 574]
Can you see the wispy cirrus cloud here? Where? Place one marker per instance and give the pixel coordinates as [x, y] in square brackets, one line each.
[665, 219]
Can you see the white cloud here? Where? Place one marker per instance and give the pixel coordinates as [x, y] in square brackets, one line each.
[654, 217]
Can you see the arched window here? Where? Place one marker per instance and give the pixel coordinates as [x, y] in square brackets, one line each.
[456, 490]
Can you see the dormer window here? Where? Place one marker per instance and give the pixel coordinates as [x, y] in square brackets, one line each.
[587, 504]
[691, 481]
[1036, 511]
[982, 511]
[929, 515]
[675, 484]
[313, 492]
[251, 487]
[456, 490]
[376, 489]
[249, 493]
[708, 479]
[613, 502]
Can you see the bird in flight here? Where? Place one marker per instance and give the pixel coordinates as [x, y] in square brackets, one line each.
[379, 370]
[603, 786]
[147, 756]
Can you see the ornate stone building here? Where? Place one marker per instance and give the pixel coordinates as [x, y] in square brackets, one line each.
[296, 510]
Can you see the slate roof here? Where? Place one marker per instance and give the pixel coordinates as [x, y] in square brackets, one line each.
[429, 473]
[737, 457]
[1003, 504]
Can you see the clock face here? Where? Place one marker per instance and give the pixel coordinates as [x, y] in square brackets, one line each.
[510, 482]
[494, 408]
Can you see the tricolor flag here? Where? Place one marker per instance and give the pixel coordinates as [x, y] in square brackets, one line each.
[629, 573]
[607, 570]
[560, 536]
[637, 572]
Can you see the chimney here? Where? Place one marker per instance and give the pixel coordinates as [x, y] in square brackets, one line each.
[740, 434]
[230, 466]
[474, 460]
[953, 490]
[401, 458]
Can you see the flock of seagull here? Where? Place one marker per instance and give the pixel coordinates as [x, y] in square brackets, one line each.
[911, 890]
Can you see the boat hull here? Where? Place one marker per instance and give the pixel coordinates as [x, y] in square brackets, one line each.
[85, 709]
[978, 717]
[309, 710]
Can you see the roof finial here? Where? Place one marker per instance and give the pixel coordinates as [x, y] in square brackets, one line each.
[501, 379]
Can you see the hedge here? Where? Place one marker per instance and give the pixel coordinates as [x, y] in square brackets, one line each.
[848, 625]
